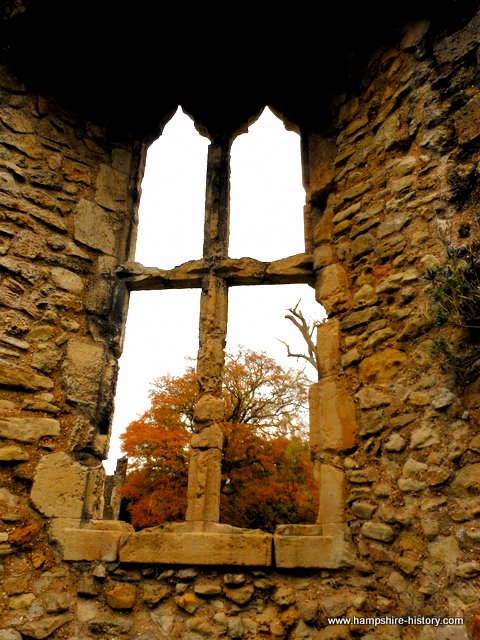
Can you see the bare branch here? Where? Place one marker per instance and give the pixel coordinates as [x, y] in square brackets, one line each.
[296, 316]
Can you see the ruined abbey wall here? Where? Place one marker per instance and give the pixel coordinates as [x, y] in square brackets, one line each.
[391, 176]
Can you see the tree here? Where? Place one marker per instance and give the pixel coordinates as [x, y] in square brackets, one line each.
[266, 471]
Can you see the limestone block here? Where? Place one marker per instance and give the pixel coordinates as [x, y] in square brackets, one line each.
[323, 229]
[67, 280]
[312, 546]
[209, 409]
[111, 187]
[95, 492]
[203, 492]
[82, 371]
[93, 228]
[383, 366]
[333, 424]
[12, 453]
[328, 347]
[23, 378]
[331, 288]
[289, 270]
[29, 429]
[59, 486]
[209, 438]
[176, 544]
[331, 484]
[322, 256]
[364, 297]
[95, 540]
[320, 170]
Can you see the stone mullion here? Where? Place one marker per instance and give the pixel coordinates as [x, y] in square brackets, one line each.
[203, 493]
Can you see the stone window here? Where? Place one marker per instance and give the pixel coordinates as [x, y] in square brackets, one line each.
[201, 537]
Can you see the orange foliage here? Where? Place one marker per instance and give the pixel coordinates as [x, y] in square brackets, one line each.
[266, 476]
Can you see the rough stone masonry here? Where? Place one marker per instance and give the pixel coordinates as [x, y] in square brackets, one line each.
[391, 167]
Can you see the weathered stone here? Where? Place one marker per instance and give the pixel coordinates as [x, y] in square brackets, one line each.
[178, 544]
[111, 625]
[363, 509]
[46, 357]
[362, 245]
[468, 570]
[362, 476]
[22, 601]
[29, 429]
[188, 601]
[209, 409]
[203, 490]
[409, 484]
[466, 482]
[207, 588]
[67, 280]
[240, 595]
[121, 596]
[445, 550]
[16, 121]
[443, 398]
[331, 288]
[356, 319]
[328, 347]
[413, 467]
[93, 227]
[423, 437]
[466, 121]
[312, 546]
[111, 188]
[23, 378]
[155, 593]
[382, 366]
[395, 443]
[377, 531]
[236, 628]
[10, 634]
[331, 487]
[15, 584]
[332, 417]
[200, 625]
[364, 297]
[82, 370]
[208, 438]
[370, 398]
[44, 627]
[59, 486]
[350, 358]
[12, 453]
[25, 534]
[88, 587]
[56, 602]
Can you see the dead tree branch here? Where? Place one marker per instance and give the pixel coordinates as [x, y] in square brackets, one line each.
[296, 316]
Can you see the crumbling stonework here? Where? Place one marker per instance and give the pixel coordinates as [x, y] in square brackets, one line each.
[390, 164]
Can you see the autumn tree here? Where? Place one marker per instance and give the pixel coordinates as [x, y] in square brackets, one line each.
[266, 471]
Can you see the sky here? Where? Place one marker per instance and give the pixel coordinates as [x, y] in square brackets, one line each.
[266, 223]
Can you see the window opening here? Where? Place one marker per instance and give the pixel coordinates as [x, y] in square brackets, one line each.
[266, 191]
[215, 273]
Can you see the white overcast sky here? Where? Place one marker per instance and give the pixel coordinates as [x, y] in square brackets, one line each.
[266, 223]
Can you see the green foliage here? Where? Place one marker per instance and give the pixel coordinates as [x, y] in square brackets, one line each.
[455, 286]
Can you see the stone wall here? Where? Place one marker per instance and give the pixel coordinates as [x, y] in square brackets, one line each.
[395, 438]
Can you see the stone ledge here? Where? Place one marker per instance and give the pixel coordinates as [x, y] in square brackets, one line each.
[185, 543]
[312, 547]
[89, 541]
[191, 543]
